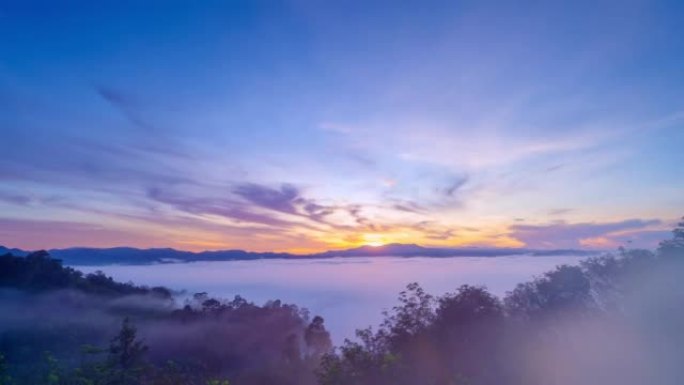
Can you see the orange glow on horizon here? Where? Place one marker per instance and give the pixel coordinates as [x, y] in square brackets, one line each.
[373, 240]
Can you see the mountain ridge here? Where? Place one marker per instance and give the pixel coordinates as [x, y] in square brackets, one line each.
[135, 256]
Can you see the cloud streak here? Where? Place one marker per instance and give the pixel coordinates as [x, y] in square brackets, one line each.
[45, 234]
[282, 199]
[561, 234]
[410, 126]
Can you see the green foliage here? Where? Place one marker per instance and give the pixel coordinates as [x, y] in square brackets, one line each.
[565, 289]
[468, 337]
[211, 340]
[126, 361]
[472, 337]
[674, 247]
[53, 374]
[38, 272]
[317, 338]
[5, 378]
[413, 314]
[218, 382]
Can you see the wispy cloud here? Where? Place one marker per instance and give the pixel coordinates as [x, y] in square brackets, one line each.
[17, 199]
[432, 121]
[224, 207]
[409, 206]
[561, 211]
[453, 187]
[282, 199]
[58, 234]
[561, 234]
[128, 106]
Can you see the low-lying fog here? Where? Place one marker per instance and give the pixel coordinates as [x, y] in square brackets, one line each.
[348, 292]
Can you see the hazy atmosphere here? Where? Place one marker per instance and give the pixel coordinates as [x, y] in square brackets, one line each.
[349, 293]
[304, 126]
[341, 192]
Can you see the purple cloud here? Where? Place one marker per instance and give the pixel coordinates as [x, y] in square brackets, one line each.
[225, 207]
[55, 234]
[283, 199]
[454, 186]
[561, 211]
[125, 104]
[286, 199]
[409, 207]
[316, 211]
[16, 199]
[571, 235]
[434, 232]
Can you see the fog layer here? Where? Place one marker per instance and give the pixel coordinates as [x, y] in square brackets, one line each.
[348, 292]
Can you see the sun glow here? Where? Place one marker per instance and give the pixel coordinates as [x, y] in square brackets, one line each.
[373, 240]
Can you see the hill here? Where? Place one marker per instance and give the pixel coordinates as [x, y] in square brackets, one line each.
[133, 256]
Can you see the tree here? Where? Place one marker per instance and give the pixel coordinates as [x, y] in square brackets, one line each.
[126, 361]
[674, 248]
[317, 338]
[567, 288]
[54, 372]
[5, 378]
[411, 317]
[467, 333]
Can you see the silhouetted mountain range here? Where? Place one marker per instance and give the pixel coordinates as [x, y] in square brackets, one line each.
[134, 256]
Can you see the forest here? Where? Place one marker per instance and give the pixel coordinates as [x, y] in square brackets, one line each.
[612, 320]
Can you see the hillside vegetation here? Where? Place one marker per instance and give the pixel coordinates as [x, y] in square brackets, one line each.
[612, 320]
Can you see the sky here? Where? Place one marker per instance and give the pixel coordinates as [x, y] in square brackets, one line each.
[310, 125]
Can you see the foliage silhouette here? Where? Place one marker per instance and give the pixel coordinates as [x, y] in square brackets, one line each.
[612, 320]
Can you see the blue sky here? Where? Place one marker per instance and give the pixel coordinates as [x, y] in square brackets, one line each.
[311, 125]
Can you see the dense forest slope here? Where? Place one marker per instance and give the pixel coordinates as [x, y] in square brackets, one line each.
[58, 326]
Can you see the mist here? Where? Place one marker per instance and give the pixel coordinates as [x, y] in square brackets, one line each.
[638, 339]
[610, 320]
[348, 292]
[57, 314]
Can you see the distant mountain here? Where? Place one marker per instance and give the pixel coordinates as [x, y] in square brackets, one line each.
[132, 256]
[412, 250]
[395, 249]
[16, 252]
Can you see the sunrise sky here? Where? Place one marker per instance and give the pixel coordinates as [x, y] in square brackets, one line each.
[306, 125]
